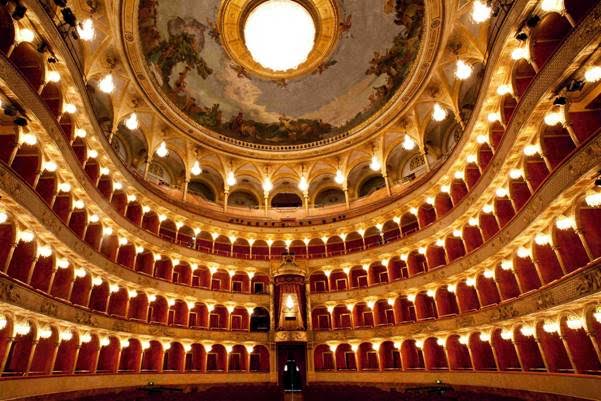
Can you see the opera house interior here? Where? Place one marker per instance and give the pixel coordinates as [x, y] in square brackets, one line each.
[188, 214]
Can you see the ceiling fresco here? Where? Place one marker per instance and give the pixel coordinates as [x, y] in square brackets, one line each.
[378, 43]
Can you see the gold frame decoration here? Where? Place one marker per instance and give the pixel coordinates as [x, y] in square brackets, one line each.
[231, 20]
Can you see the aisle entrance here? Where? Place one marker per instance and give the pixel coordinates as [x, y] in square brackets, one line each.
[292, 367]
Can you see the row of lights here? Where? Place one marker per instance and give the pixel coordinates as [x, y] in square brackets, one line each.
[45, 331]
[573, 322]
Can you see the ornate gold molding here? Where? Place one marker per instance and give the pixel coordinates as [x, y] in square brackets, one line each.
[231, 20]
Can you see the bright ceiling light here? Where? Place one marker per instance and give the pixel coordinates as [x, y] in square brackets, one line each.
[132, 122]
[196, 169]
[408, 143]
[520, 53]
[438, 113]
[80, 133]
[503, 90]
[267, 184]
[592, 74]
[231, 179]
[53, 76]
[480, 12]
[375, 164]
[162, 150]
[69, 108]
[463, 70]
[50, 166]
[552, 6]
[279, 34]
[303, 184]
[28, 139]
[493, 117]
[339, 179]
[553, 118]
[515, 173]
[106, 84]
[531, 150]
[593, 200]
[25, 35]
[86, 30]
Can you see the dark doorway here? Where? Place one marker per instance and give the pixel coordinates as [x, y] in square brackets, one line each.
[292, 366]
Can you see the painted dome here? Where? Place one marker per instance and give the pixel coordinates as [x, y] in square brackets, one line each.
[366, 54]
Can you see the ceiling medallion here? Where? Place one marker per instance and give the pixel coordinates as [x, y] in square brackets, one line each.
[279, 39]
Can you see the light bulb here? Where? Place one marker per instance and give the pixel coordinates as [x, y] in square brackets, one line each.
[86, 30]
[463, 70]
[53, 76]
[531, 150]
[50, 166]
[45, 251]
[551, 327]
[564, 223]
[267, 184]
[69, 108]
[574, 323]
[28, 139]
[552, 6]
[515, 173]
[554, 118]
[506, 334]
[438, 113]
[62, 263]
[503, 90]
[303, 184]
[523, 252]
[527, 331]
[542, 239]
[80, 133]
[64, 187]
[162, 150]
[493, 117]
[106, 84]
[501, 192]
[520, 53]
[480, 12]
[25, 35]
[408, 143]
[26, 236]
[482, 138]
[593, 200]
[339, 178]
[196, 169]
[592, 74]
[92, 153]
[506, 264]
[231, 179]
[375, 164]
[131, 122]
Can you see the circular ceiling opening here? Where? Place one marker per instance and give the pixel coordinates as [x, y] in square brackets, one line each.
[279, 34]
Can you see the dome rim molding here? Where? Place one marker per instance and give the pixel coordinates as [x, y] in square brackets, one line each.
[435, 27]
